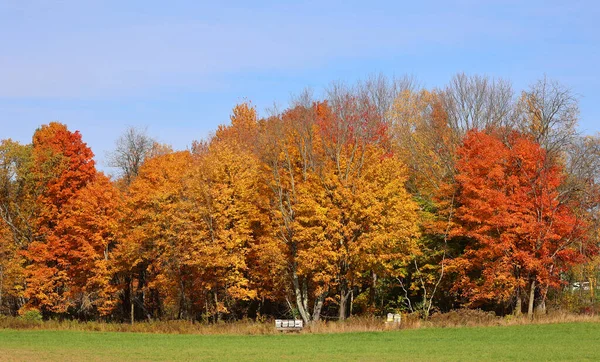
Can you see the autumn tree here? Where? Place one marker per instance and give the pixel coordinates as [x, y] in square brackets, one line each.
[62, 165]
[16, 202]
[195, 221]
[521, 233]
[290, 155]
[228, 204]
[150, 256]
[17, 208]
[11, 273]
[330, 203]
[89, 229]
[243, 129]
[232, 157]
[425, 141]
[355, 139]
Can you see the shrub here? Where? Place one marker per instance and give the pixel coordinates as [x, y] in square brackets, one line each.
[32, 315]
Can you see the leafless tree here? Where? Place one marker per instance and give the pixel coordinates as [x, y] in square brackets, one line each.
[131, 149]
[478, 102]
[382, 91]
[549, 111]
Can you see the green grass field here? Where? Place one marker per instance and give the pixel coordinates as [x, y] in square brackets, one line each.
[558, 342]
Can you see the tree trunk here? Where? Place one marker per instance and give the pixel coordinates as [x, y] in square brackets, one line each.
[1, 285]
[300, 298]
[305, 295]
[351, 302]
[541, 308]
[531, 299]
[342, 310]
[519, 304]
[373, 290]
[143, 303]
[206, 299]
[132, 312]
[181, 302]
[131, 298]
[218, 314]
[261, 306]
[318, 306]
[344, 295]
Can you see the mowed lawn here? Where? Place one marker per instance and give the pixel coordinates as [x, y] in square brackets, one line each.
[558, 342]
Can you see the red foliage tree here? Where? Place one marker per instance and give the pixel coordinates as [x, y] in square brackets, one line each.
[520, 231]
[62, 165]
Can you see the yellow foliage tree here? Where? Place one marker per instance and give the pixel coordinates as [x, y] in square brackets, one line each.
[339, 201]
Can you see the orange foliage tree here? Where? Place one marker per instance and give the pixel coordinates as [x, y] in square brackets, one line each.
[193, 221]
[151, 255]
[90, 226]
[62, 167]
[519, 231]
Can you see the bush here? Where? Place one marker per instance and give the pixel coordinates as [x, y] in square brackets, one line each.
[32, 315]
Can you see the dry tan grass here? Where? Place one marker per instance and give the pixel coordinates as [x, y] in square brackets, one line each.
[454, 319]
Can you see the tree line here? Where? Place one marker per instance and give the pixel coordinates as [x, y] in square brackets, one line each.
[380, 196]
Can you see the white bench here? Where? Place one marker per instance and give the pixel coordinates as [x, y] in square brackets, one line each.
[289, 324]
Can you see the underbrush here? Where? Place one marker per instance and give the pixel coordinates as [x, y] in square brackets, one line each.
[453, 319]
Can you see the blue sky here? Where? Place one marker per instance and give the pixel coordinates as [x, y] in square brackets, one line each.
[178, 67]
